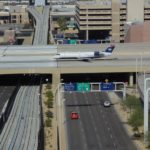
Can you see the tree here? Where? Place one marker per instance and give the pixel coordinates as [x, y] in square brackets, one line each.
[62, 22]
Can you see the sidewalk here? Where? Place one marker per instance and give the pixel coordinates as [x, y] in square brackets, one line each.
[123, 115]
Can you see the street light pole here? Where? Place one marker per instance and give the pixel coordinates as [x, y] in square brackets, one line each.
[141, 62]
[136, 74]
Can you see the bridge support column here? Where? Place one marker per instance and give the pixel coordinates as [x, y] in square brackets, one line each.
[55, 79]
[87, 34]
[131, 79]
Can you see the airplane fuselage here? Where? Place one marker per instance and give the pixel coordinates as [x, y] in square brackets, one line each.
[84, 55]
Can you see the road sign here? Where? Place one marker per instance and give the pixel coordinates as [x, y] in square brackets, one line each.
[107, 86]
[86, 86]
[83, 87]
[79, 86]
[70, 87]
[73, 42]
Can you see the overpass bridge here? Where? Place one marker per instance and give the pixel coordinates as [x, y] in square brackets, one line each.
[42, 22]
[127, 58]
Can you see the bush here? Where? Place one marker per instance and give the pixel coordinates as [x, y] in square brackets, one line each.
[48, 123]
[49, 95]
[50, 104]
[49, 114]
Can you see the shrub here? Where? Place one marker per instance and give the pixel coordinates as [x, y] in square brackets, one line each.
[48, 123]
[49, 114]
[49, 95]
[50, 104]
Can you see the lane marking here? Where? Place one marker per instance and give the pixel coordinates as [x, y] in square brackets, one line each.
[111, 135]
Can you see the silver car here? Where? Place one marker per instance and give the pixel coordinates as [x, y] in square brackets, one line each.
[107, 104]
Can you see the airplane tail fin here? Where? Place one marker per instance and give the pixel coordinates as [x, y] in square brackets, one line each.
[110, 49]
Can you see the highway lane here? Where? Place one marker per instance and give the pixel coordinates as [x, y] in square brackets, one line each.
[22, 127]
[28, 65]
[47, 61]
[125, 61]
[49, 58]
[75, 129]
[98, 127]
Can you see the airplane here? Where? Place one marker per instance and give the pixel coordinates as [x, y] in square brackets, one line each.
[84, 56]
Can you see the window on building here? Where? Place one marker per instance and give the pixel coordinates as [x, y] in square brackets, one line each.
[20, 19]
[13, 21]
[13, 16]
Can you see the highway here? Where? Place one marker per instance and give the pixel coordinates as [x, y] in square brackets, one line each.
[22, 127]
[98, 128]
[41, 32]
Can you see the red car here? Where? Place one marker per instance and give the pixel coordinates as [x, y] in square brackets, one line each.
[74, 115]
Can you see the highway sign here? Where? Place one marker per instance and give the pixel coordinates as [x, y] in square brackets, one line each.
[83, 87]
[72, 41]
[70, 86]
[107, 86]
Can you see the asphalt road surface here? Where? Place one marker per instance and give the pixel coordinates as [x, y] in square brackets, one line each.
[98, 128]
[5, 94]
[22, 127]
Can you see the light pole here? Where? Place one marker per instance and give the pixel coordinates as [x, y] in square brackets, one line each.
[141, 62]
[146, 91]
[136, 75]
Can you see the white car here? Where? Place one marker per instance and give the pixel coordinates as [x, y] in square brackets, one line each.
[107, 103]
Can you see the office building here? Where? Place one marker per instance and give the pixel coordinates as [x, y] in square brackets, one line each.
[105, 19]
